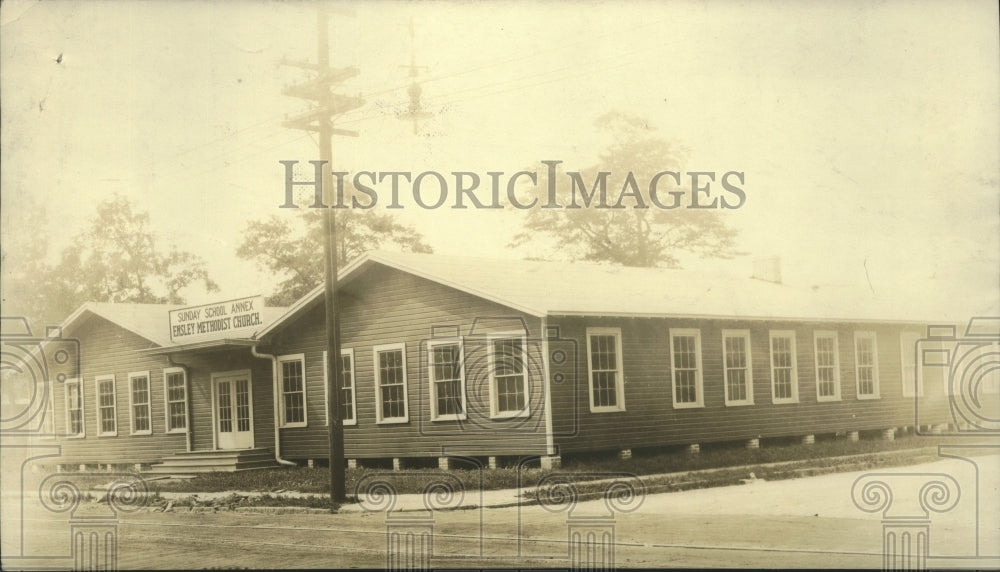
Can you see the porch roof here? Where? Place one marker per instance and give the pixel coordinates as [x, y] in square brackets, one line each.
[206, 345]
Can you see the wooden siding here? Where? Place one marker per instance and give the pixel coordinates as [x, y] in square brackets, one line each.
[107, 349]
[201, 366]
[387, 306]
[650, 418]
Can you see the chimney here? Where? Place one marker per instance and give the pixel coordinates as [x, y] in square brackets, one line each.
[767, 268]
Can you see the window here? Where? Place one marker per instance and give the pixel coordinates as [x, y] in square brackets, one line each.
[866, 364]
[447, 380]
[390, 383]
[604, 348]
[139, 400]
[784, 371]
[74, 408]
[175, 388]
[827, 367]
[107, 415]
[293, 390]
[736, 367]
[508, 376]
[348, 411]
[685, 364]
[912, 377]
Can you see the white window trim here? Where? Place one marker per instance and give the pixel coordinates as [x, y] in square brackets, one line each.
[131, 404]
[795, 366]
[908, 343]
[214, 380]
[78, 382]
[433, 383]
[378, 385]
[699, 374]
[836, 363]
[877, 393]
[354, 393]
[114, 406]
[619, 372]
[167, 371]
[494, 413]
[283, 359]
[745, 334]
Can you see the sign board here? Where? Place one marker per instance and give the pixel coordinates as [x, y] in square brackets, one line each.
[232, 319]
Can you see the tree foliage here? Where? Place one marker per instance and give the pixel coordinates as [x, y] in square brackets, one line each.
[116, 258]
[24, 274]
[627, 236]
[292, 247]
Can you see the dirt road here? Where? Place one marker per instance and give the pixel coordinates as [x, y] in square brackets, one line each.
[805, 523]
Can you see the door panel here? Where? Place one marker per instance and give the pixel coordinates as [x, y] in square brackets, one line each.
[233, 412]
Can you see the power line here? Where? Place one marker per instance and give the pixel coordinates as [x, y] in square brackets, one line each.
[366, 114]
[589, 39]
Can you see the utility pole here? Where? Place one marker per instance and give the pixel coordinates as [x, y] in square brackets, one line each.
[415, 112]
[319, 120]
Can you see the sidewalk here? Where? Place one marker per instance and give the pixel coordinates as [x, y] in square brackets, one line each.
[655, 483]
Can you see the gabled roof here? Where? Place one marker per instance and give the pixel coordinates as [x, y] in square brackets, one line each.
[150, 321]
[543, 288]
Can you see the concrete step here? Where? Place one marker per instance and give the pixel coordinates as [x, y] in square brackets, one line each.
[209, 461]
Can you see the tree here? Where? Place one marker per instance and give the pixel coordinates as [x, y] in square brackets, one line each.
[628, 236]
[293, 249]
[24, 274]
[117, 259]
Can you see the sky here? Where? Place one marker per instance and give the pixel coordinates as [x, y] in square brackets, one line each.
[868, 132]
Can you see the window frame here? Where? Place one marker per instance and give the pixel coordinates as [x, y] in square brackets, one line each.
[78, 383]
[354, 393]
[835, 336]
[790, 334]
[619, 371]
[283, 413]
[745, 334]
[131, 402]
[495, 413]
[379, 419]
[699, 371]
[876, 391]
[167, 372]
[435, 415]
[98, 380]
